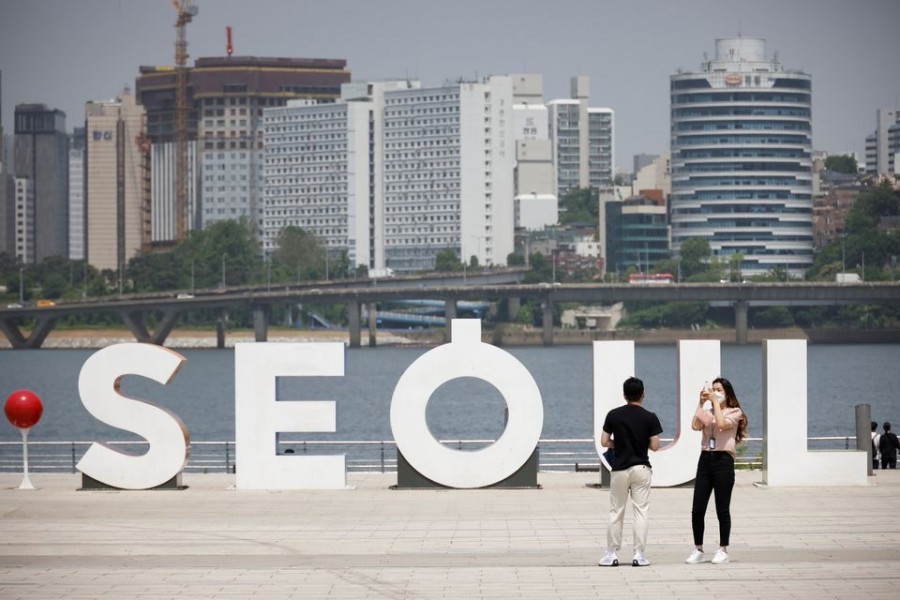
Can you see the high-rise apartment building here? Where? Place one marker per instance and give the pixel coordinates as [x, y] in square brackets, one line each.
[741, 159]
[449, 158]
[536, 204]
[226, 98]
[41, 154]
[397, 173]
[114, 181]
[76, 194]
[323, 163]
[583, 141]
[883, 145]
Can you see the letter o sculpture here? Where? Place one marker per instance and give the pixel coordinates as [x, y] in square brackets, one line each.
[466, 356]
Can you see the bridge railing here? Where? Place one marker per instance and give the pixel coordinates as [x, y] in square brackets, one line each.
[361, 455]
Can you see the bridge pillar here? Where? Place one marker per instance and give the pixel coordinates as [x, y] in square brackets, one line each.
[449, 314]
[740, 321]
[220, 330]
[261, 322]
[353, 316]
[373, 323]
[548, 322]
[512, 307]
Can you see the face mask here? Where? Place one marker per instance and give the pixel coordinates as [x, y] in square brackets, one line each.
[720, 397]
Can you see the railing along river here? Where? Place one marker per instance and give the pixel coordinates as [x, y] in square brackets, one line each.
[361, 455]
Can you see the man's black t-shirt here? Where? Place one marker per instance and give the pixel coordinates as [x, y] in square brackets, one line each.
[631, 427]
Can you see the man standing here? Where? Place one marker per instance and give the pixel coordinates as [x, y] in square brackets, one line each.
[888, 445]
[630, 430]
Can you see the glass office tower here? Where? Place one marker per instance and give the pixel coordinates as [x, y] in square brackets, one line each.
[741, 142]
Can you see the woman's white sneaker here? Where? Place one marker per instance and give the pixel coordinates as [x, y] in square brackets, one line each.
[720, 558]
[696, 557]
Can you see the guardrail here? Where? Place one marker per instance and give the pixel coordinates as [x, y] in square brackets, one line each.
[361, 455]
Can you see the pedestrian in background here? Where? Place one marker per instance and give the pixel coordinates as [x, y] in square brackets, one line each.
[888, 445]
[876, 451]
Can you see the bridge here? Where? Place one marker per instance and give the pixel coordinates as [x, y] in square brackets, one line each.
[491, 287]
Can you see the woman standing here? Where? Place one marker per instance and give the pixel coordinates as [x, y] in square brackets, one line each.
[723, 426]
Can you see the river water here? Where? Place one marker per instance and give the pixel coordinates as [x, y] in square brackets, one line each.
[202, 394]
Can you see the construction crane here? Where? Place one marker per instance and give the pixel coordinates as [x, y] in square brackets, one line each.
[186, 12]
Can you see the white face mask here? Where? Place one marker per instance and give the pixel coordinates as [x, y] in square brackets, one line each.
[720, 397]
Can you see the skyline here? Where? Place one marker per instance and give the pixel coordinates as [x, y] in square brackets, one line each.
[628, 49]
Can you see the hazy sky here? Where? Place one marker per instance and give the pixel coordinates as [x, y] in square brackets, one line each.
[65, 52]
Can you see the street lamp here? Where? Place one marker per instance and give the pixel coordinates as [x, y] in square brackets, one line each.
[224, 254]
[21, 285]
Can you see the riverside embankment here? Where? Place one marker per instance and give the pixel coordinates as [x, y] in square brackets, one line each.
[504, 335]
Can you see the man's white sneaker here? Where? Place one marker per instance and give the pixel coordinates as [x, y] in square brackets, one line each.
[609, 559]
[696, 557]
[639, 559]
[720, 558]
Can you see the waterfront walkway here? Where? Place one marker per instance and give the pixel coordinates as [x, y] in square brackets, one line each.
[211, 541]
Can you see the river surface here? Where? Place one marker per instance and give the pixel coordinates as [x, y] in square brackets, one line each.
[202, 394]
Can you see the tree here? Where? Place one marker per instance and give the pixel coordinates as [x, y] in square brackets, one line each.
[844, 163]
[298, 253]
[446, 261]
[694, 253]
[514, 259]
[579, 206]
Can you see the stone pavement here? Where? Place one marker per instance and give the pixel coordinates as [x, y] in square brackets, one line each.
[211, 541]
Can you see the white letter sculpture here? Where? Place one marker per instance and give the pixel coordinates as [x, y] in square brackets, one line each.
[259, 416]
[698, 361]
[466, 356]
[99, 387]
[787, 460]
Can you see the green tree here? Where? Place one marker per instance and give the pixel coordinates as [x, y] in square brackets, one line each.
[579, 206]
[694, 253]
[447, 261]
[298, 253]
[843, 163]
[515, 259]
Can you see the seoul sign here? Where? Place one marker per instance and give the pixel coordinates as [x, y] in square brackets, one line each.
[259, 417]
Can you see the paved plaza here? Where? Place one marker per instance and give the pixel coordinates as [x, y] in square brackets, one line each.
[211, 541]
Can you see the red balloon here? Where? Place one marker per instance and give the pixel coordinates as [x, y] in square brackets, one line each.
[23, 409]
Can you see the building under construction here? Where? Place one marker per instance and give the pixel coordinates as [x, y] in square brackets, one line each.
[225, 98]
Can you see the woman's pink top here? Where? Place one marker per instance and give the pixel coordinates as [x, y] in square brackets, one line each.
[724, 438]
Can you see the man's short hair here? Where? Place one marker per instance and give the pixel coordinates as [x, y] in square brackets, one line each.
[874, 425]
[633, 389]
[886, 426]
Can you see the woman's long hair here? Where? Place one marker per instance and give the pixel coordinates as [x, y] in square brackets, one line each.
[731, 401]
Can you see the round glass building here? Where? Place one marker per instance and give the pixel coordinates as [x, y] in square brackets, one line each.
[741, 159]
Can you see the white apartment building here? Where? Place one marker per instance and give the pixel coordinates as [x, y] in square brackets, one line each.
[395, 173]
[536, 204]
[114, 181]
[449, 155]
[321, 168]
[742, 159]
[583, 140]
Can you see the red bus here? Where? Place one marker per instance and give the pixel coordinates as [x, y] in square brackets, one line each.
[651, 278]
